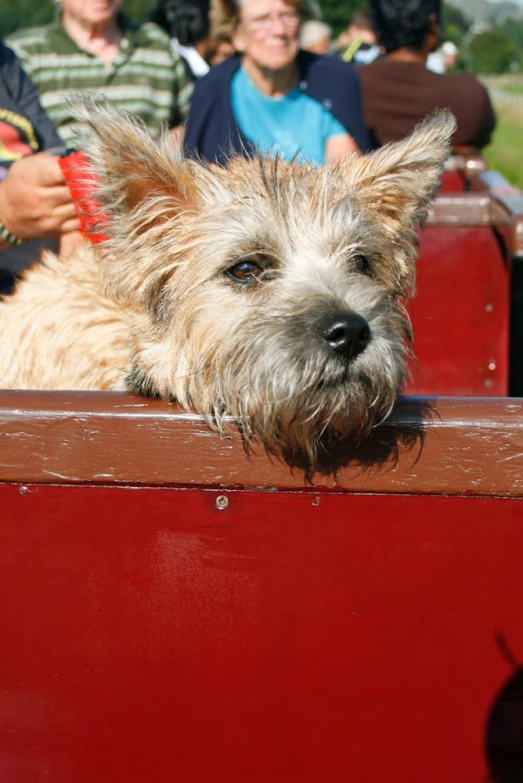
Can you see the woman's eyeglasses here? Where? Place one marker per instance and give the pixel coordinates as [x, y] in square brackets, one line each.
[262, 24]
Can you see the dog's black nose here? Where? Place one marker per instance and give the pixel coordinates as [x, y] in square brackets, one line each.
[347, 333]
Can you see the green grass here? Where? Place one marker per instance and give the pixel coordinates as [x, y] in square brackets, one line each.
[514, 89]
[511, 82]
[505, 153]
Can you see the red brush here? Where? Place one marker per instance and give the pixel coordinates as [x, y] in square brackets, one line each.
[83, 184]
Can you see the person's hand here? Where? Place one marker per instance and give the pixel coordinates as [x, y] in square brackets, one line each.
[35, 202]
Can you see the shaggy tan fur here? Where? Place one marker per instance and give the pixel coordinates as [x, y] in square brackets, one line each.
[59, 332]
[163, 307]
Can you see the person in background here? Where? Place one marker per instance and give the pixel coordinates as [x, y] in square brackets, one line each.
[358, 43]
[272, 96]
[91, 46]
[221, 32]
[35, 203]
[221, 29]
[443, 59]
[187, 23]
[398, 90]
[450, 55]
[315, 36]
[224, 48]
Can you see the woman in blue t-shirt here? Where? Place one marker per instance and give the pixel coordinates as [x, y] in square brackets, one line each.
[272, 97]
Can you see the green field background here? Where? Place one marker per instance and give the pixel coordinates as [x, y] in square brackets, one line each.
[505, 153]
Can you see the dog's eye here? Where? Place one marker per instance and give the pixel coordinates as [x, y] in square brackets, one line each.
[361, 264]
[245, 272]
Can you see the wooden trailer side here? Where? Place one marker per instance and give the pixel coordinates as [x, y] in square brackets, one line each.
[174, 610]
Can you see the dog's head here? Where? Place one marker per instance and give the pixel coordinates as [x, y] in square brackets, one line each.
[267, 291]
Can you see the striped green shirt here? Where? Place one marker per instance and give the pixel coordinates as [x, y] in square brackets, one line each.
[146, 78]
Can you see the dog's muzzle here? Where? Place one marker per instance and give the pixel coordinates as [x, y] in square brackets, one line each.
[348, 334]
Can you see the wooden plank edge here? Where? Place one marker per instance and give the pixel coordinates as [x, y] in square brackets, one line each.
[452, 446]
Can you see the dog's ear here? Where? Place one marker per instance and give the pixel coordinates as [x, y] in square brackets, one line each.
[401, 179]
[131, 167]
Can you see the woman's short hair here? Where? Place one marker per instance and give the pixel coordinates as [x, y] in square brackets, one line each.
[404, 24]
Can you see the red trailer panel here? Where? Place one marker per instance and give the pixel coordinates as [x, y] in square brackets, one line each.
[169, 614]
[461, 312]
[149, 635]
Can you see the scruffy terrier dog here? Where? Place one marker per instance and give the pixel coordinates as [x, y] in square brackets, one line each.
[266, 291]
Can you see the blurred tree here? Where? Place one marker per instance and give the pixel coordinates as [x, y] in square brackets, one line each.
[455, 16]
[137, 10]
[513, 29]
[455, 25]
[15, 14]
[338, 13]
[492, 52]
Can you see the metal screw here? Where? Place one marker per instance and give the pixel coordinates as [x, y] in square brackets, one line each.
[24, 490]
[222, 501]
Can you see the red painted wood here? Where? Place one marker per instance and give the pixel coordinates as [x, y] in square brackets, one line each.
[460, 313]
[452, 182]
[148, 636]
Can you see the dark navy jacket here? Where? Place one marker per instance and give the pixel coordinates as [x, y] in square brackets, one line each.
[18, 97]
[212, 132]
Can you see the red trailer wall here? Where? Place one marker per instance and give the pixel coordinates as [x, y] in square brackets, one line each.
[460, 313]
[148, 635]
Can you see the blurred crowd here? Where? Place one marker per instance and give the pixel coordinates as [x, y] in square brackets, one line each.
[226, 77]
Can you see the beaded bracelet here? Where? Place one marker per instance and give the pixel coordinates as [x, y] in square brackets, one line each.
[6, 235]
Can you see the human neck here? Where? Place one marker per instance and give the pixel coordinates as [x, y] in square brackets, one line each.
[101, 40]
[269, 82]
[407, 56]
